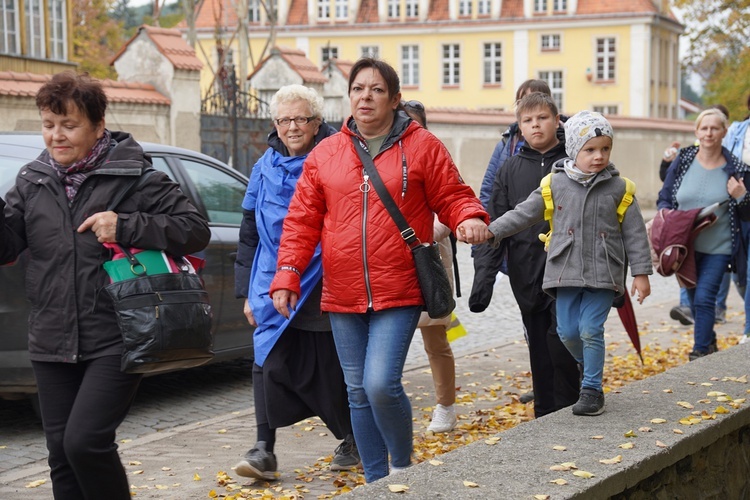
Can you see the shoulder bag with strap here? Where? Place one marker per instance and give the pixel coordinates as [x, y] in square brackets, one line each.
[433, 280]
[165, 318]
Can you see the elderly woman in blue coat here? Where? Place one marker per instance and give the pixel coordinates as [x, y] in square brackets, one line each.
[296, 373]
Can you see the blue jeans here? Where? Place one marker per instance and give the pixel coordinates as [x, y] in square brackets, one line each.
[581, 313]
[372, 349]
[711, 269]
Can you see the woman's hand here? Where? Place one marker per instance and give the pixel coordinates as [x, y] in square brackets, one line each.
[249, 314]
[736, 188]
[473, 231]
[104, 226]
[283, 300]
[642, 286]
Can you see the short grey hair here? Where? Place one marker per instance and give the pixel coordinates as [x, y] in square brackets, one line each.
[295, 92]
[712, 112]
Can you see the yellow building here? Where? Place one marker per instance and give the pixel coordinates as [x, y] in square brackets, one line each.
[615, 56]
[35, 36]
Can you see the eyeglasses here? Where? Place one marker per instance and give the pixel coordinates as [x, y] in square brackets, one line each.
[299, 120]
[415, 105]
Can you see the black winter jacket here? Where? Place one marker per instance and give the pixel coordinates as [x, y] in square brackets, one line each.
[519, 177]
[72, 318]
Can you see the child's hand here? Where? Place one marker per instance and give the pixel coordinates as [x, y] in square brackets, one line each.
[473, 231]
[642, 285]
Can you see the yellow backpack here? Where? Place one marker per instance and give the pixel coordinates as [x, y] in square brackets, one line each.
[549, 205]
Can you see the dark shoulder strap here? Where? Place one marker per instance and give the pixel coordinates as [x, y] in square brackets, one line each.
[129, 187]
[407, 233]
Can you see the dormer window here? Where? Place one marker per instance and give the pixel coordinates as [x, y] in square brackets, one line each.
[464, 8]
[342, 9]
[412, 8]
[324, 9]
[540, 6]
[483, 7]
[559, 5]
[394, 8]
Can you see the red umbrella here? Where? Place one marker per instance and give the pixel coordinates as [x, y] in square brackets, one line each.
[627, 316]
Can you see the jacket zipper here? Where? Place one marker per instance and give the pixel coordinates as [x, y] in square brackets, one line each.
[365, 188]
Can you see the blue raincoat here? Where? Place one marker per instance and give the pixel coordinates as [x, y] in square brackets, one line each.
[269, 193]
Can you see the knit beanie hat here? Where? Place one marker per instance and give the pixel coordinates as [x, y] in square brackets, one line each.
[583, 126]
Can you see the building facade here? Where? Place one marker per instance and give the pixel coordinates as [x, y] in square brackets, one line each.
[619, 57]
[35, 36]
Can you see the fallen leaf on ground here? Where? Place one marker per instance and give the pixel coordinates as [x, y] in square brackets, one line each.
[560, 481]
[597, 437]
[137, 472]
[436, 462]
[134, 462]
[630, 434]
[541, 497]
[583, 473]
[36, 484]
[685, 404]
[677, 431]
[660, 444]
[610, 461]
[559, 448]
[721, 410]
[196, 477]
[469, 484]
[398, 488]
[644, 429]
[626, 446]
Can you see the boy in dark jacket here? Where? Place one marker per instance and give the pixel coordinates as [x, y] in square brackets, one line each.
[554, 372]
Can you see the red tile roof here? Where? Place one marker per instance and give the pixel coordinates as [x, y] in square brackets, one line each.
[368, 12]
[298, 62]
[344, 66]
[28, 84]
[171, 45]
[297, 13]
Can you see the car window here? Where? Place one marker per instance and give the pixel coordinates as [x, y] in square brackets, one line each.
[160, 164]
[9, 168]
[221, 193]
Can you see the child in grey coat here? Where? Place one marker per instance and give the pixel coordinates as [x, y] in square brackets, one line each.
[589, 248]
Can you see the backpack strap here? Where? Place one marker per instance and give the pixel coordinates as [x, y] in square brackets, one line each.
[627, 199]
[549, 207]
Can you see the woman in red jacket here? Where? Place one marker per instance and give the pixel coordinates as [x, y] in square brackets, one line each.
[370, 285]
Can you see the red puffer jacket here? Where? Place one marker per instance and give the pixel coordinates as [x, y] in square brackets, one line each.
[366, 263]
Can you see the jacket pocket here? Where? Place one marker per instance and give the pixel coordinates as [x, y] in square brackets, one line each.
[612, 254]
[559, 253]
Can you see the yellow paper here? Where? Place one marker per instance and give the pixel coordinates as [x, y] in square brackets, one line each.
[455, 330]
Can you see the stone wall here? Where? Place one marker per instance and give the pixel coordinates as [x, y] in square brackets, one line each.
[705, 458]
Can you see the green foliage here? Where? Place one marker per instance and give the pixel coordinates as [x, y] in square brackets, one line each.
[718, 31]
[96, 37]
[729, 86]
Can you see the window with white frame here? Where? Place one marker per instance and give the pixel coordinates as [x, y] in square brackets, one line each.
[551, 43]
[412, 8]
[9, 43]
[451, 64]
[559, 5]
[35, 27]
[605, 58]
[342, 9]
[57, 30]
[329, 52]
[492, 59]
[555, 81]
[410, 65]
[607, 109]
[253, 11]
[483, 7]
[464, 7]
[540, 5]
[324, 9]
[370, 51]
[394, 8]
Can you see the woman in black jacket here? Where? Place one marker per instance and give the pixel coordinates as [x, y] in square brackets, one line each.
[57, 209]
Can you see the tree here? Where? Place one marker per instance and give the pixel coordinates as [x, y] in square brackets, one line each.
[96, 37]
[718, 31]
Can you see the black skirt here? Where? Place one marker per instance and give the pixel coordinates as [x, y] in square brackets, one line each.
[302, 378]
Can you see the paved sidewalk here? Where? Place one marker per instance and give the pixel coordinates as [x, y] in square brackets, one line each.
[183, 463]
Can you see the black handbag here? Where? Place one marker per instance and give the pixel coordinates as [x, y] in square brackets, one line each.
[433, 280]
[165, 319]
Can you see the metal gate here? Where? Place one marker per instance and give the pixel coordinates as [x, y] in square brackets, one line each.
[234, 124]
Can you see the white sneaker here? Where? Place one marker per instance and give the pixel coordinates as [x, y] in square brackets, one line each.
[744, 339]
[443, 419]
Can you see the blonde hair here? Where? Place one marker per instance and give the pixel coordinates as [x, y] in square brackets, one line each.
[712, 112]
[295, 92]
